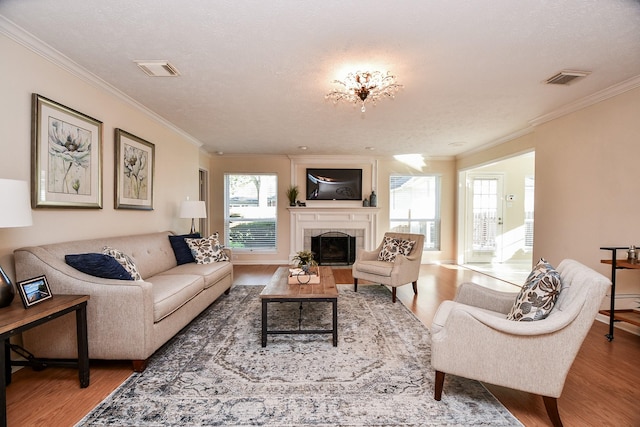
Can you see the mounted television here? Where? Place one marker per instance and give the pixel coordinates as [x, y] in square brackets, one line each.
[334, 184]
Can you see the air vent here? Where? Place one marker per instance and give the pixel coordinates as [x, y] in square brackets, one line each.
[158, 68]
[566, 76]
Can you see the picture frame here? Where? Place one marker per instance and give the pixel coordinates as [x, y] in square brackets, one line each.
[66, 157]
[34, 291]
[135, 168]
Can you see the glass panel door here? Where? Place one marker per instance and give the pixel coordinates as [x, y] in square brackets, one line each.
[485, 218]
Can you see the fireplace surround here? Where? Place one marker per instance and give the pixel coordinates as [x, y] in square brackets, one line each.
[306, 222]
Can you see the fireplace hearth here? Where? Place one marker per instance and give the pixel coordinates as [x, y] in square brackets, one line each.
[334, 248]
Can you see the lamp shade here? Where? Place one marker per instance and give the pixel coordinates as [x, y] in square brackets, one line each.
[193, 209]
[15, 205]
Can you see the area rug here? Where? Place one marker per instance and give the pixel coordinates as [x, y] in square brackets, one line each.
[216, 373]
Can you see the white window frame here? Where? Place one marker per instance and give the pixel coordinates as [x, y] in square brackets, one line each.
[429, 227]
[231, 212]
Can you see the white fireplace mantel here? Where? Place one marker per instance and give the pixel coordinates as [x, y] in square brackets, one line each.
[332, 219]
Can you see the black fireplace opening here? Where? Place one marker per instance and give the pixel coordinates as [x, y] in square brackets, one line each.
[334, 248]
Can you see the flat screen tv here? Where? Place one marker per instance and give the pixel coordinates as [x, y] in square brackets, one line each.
[334, 184]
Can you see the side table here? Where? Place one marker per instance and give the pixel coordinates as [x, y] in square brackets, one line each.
[15, 319]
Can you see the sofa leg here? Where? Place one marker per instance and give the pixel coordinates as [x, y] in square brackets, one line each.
[227, 291]
[139, 365]
[393, 293]
[439, 385]
[415, 287]
[355, 285]
[551, 405]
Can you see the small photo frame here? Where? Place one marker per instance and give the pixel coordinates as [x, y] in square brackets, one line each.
[34, 291]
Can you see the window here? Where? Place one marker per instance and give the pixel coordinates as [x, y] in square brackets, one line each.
[415, 207]
[251, 212]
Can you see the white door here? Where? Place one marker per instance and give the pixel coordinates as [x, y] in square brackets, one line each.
[484, 218]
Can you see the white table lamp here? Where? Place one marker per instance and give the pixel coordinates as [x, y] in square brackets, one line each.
[15, 211]
[193, 209]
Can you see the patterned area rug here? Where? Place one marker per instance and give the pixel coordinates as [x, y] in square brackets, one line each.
[215, 372]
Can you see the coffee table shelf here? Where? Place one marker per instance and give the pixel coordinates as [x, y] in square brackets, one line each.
[279, 290]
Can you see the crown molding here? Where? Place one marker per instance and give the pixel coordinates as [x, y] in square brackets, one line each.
[572, 107]
[29, 41]
[587, 101]
[330, 158]
[506, 138]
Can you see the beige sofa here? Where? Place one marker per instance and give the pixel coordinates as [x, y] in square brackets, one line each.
[127, 320]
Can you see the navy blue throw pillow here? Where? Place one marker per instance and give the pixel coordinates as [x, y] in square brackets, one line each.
[98, 265]
[181, 249]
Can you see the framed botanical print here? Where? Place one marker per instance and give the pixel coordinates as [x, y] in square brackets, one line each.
[66, 157]
[135, 166]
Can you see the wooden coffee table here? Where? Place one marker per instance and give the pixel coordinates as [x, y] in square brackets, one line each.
[279, 290]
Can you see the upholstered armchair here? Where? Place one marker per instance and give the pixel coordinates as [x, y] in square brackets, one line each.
[472, 338]
[404, 269]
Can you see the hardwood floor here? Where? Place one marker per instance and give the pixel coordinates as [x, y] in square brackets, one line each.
[602, 388]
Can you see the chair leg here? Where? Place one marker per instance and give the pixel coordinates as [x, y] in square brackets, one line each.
[439, 385]
[415, 287]
[393, 293]
[355, 285]
[551, 405]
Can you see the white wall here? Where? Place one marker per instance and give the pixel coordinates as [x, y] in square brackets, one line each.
[25, 72]
[587, 184]
[587, 180]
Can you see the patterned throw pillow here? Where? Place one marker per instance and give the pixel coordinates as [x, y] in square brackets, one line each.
[392, 247]
[207, 250]
[538, 295]
[125, 260]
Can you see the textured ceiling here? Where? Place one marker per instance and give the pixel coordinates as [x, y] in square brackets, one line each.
[254, 73]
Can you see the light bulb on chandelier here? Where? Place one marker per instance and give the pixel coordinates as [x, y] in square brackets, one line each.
[363, 86]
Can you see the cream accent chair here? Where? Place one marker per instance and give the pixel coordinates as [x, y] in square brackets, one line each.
[404, 270]
[472, 338]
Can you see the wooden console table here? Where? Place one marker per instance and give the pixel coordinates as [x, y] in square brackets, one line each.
[628, 316]
[15, 319]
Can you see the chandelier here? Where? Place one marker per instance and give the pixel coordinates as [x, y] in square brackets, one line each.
[363, 86]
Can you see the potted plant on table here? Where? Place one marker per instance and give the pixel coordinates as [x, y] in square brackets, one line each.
[292, 194]
[305, 260]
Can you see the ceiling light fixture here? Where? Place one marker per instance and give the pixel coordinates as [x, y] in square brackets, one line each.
[362, 86]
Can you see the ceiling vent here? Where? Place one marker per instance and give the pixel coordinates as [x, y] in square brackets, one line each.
[158, 68]
[565, 77]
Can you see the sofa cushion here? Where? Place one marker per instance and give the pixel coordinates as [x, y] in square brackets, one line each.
[181, 249]
[125, 260]
[170, 292]
[207, 250]
[538, 295]
[379, 268]
[392, 247]
[98, 265]
[212, 272]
